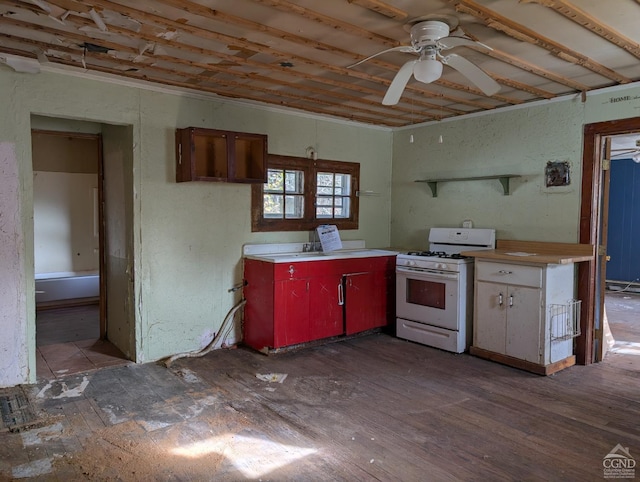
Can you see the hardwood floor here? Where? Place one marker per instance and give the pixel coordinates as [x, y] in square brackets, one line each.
[68, 341]
[67, 324]
[371, 408]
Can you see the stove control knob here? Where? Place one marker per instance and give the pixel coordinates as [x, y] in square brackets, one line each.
[410, 263]
[441, 266]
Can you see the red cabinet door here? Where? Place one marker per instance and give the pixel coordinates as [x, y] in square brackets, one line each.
[291, 312]
[360, 302]
[258, 312]
[326, 306]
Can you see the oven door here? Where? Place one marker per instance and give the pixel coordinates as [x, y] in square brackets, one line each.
[428, 296]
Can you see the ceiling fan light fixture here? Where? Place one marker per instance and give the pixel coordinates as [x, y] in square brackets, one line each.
[427, 70]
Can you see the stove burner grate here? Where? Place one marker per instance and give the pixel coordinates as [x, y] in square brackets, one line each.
[437, 254]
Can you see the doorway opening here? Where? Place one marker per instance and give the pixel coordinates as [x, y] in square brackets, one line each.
[622, 276]
[71, 262]
[594, 229]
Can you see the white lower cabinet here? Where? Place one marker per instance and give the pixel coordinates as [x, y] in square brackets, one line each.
[511, 313]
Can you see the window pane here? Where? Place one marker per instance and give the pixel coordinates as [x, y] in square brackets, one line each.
[294, 182]
[275, 180]
[322, 212]
[324, 201]
[346, 207]
[344, 211]
[273, 206]
[325, 179]
[294, 207]
[325, 190]
[343, 185]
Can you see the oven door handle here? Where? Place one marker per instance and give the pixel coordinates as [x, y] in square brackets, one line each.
[431, 273]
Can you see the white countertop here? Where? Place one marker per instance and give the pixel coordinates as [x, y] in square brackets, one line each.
[290, 252]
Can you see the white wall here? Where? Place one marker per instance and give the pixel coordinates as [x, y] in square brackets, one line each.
[63, 219]
[187, 238]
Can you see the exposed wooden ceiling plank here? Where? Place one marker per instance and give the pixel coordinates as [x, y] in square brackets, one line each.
[208, 12]
[141, 16]
[382, 8]
[520, 32]
[546, 74]
[218, 15]
[213, 67]
[476, 91]
[175, 44]
[331, 22]
[527, 88]
[141, 71]
[380, 110]
[579, 16]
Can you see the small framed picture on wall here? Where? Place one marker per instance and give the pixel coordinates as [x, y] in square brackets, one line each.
[557, 173]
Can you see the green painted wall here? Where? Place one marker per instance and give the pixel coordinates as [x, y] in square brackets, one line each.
[187, 237]
[511, 141]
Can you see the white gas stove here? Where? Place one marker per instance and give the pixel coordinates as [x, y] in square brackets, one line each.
[434, 289]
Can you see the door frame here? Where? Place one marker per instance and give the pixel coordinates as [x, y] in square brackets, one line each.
[591, 220]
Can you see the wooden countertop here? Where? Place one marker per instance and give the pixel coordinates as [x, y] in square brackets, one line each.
[537, 252]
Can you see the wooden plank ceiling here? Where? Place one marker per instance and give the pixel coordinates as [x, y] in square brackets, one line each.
[295, 53]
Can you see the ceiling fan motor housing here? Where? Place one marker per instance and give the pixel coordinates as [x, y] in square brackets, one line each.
[428, 32]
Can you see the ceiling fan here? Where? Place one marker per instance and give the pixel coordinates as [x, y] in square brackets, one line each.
[430, 36]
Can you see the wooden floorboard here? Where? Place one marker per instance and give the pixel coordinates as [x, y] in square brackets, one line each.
[369, 408]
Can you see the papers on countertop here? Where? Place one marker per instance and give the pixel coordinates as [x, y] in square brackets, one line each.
[329, 237]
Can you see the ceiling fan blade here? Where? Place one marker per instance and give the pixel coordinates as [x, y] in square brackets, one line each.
[452, 42]
[472, 72]
[401, 48]
[395, 90]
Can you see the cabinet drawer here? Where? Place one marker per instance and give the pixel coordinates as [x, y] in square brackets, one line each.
[509, 274]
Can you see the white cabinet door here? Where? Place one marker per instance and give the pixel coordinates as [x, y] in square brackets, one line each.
[524, 314]
[490, 318]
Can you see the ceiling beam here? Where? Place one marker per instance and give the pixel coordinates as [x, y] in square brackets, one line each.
[382, 8]
[584, 19]
[513, 29]
[546, 74]
[288, 7]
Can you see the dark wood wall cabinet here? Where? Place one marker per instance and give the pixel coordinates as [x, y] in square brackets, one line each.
[222, 156]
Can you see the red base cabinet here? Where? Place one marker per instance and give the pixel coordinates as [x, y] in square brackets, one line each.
[293, 303]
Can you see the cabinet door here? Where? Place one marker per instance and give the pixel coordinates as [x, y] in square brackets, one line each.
[216, 155]
[258, 312]
[489, 325]
[325, 306]
[524, 310]
[291, 312]
[365, 301]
